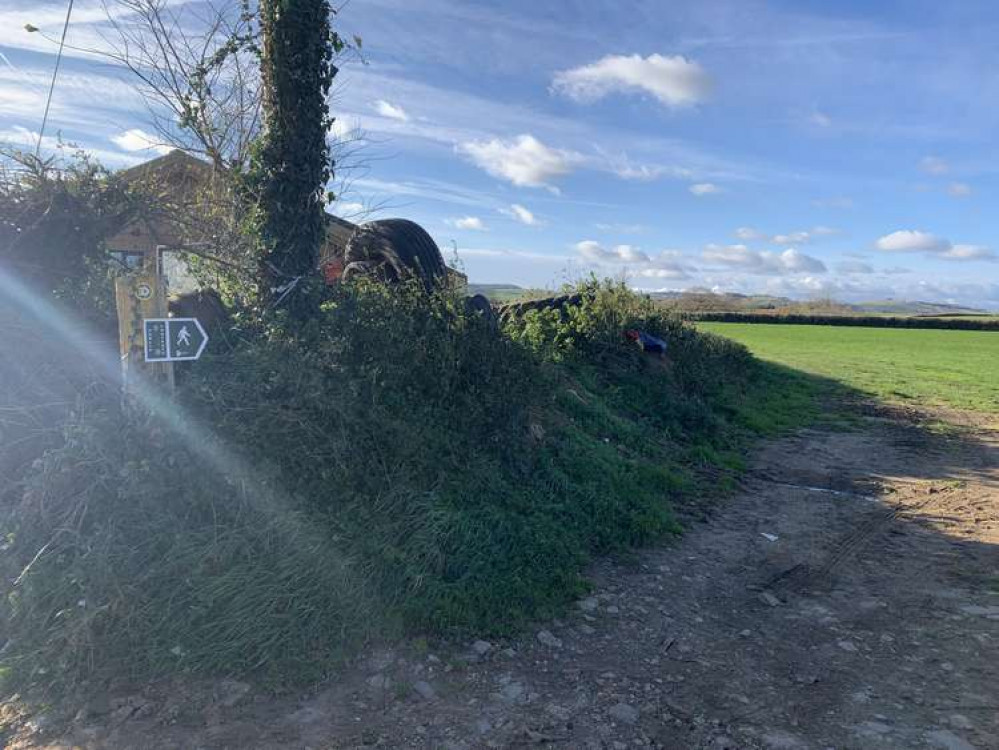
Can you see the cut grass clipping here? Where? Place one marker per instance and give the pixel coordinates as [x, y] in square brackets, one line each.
[400, 466]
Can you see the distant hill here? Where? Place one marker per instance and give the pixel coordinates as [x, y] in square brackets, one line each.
[696, 301]
[500, 293]
[897, 307]
[707, 301]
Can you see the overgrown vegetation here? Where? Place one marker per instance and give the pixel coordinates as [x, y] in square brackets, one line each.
[291, 165]
[54, 217]
[399, 465]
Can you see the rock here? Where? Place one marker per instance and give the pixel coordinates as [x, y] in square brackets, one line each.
[948, 740]
[959, 721]
[873, 728]
[545, 637]
[769, 599]
[481, 648]
[589, 604]
[230, 692]
[425, 690]
[979, 611]
[99, 705]
[513, 693]
[624, 713]
[780, 740]
[380, 660]
[559, 712]
[43, 722]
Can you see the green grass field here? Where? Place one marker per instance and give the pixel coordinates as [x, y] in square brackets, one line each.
[938, 367]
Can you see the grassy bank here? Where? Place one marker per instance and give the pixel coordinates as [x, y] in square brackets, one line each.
[953, 368]
[397, 466]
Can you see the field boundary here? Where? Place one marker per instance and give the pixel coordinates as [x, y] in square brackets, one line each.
[864, 321]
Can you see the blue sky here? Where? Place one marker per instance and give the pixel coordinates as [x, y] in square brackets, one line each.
[801, 148]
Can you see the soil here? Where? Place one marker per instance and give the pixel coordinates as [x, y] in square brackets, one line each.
[846, 597]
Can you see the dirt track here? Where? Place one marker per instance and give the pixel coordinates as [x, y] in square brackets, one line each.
[795, 617]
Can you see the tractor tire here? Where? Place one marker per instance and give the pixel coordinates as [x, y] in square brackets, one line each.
[394, 250]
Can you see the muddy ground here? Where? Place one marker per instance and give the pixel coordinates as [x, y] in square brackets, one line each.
[846, 597]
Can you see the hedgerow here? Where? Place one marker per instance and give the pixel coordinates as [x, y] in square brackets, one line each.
[397, 465]
[867, 321]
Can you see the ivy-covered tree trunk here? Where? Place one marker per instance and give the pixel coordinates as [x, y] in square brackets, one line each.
[291, 166]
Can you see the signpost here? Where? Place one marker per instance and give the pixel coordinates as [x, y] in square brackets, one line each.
[173, 339]
[140, 296]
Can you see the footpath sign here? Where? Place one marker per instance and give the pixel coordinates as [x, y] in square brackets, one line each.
[173, 339]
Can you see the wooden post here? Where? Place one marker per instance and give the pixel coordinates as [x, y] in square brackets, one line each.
[139, 296]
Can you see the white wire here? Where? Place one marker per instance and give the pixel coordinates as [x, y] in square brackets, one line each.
[48, 101]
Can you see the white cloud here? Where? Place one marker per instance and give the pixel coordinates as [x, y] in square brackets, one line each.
[731, 255]
[959, 189]
[704, 188]
[741, 257]
[792, 238]
[820, 119]
[346, 129]
[748, 234]
[912, 241]
[639, 172]
[483, 252]
[934, 165]
[838, 201]
[669, 264]
[392, 111]
[521, 214]
[673, 80]
[470, 223]
[622, 228]
[525, 161]
[795, 261]
[656, 272]
[854, 267]
[139, 140]
[348, 208]
[969, 252]
[593, 251]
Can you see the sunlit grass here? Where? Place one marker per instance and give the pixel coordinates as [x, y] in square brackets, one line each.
[931, 367]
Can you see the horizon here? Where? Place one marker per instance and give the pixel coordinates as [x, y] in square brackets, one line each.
[792, 149]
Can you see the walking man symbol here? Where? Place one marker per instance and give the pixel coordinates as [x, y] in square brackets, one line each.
[183, 337]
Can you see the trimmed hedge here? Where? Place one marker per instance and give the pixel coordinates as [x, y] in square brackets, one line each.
[866, 321]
